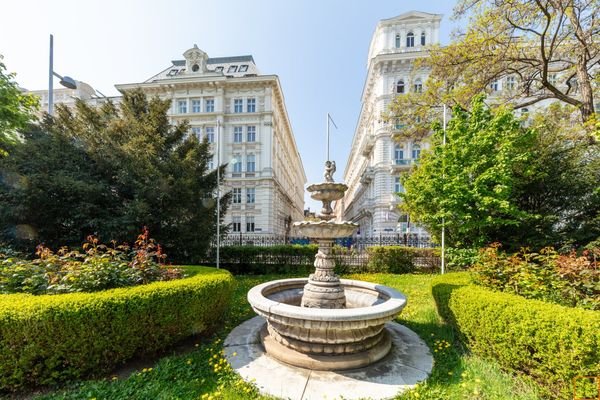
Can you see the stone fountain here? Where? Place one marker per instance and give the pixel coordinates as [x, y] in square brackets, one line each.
[325, 323]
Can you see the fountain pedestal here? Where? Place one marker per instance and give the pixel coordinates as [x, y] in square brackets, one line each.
[323, 289]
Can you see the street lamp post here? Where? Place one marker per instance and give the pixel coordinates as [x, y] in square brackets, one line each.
[443, 217]
[66, 81]
[218, 192]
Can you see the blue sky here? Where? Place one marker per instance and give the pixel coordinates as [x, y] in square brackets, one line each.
[318, 49]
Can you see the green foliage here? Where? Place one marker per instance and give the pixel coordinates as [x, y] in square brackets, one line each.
[109, 171]
[16, 108]
[549, 342]
[402, 260]
[567, 279]
[461, 258]
[101, 267]
[51, 339]
[295, 259]
[470, 181]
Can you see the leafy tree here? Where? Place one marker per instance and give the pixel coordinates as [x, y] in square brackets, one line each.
[550, 48]
[470, 181]
[16, 108]
[561, 188]
[496, 180]
[110, 171]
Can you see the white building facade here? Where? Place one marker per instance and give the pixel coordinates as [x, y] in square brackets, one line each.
[376, 160]
[243, 115]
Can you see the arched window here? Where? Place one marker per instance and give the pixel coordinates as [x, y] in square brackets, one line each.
[423, 38]
[410, 39]
[397, 41]
[398, 154]
[418, 86]
[400, 86]
[416, 151]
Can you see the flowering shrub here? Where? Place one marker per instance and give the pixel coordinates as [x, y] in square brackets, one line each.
[567, 279]
[100, 267]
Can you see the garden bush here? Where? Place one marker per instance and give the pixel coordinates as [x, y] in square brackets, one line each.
[568, 279]
[461, 258]
[48, 339]
[402, 260]
[551, 343]
[278, 259]
[101, 267]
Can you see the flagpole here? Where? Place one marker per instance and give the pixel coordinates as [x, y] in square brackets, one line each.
[328, 117]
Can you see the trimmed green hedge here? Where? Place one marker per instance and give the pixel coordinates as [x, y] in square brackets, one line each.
[401, 259]
[549, 342]
[278, 259]
[49, 339]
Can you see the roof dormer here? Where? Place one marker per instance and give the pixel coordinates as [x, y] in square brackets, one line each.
[195, 61]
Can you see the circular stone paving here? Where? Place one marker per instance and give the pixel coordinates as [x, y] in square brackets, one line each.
[408, 363]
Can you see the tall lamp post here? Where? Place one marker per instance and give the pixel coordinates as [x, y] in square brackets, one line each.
[443, 217]
[66, 81]
[218, 192]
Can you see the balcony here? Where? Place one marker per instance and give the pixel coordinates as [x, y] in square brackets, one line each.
[367, 176]
[401, 164]
[366, 145]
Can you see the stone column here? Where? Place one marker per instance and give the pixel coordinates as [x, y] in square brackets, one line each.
[324, 289]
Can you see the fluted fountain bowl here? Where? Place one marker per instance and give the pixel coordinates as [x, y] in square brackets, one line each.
[325, 229]
[327, 191]
[326, 339]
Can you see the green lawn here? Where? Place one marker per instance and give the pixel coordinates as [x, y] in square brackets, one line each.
[202, 373]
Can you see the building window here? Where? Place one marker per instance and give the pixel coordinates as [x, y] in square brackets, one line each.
[209, 105]
[510, 82]
[418, 86]
[251, 133]
[237, 165]
[552, 79]
[416, 151]
[236, 224]
[232, 69]
[422, 38]
[243, 68]
[210, 134]
[494, 86]
[399, 154]
[524, 111]
[237, 134]
[251, 105]
[238, 105]
[219, 69]
[197, 131]
[196, 105]
[182, 106]
[237, 196]
[397, 41]
[410, 40]
[172, 72]
[249, 223]
[251, 163]
[250, 195]
[211, 163]
[400, 86]
[398, 186]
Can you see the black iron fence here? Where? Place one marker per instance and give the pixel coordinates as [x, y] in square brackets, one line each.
[354, 242]
[263, 253]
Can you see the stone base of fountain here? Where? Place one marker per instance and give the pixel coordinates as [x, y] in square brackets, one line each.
[408, 362]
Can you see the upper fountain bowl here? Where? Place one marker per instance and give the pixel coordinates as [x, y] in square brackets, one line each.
[326, 229]
[328, 191]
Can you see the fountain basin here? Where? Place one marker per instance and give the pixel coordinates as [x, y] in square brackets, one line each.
[327, 191]
[326, 229]
[326, 339]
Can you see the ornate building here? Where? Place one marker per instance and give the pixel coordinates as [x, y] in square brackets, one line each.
[264, 172]
[376, 161]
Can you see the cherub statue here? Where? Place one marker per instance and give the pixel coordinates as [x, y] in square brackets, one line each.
[329, 171]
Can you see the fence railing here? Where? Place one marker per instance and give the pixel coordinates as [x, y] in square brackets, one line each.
[354, 242]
